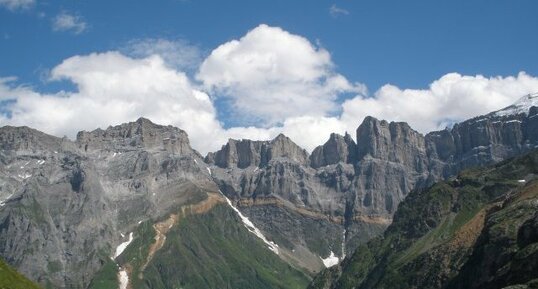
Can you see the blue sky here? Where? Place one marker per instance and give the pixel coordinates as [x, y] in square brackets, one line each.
[408, 44]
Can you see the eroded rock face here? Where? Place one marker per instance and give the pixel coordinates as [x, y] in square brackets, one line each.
[337, 149]
[477, 230]
[359, 184]
[141, 134]
[392, 161]
[65, 205]
[245, 153]
[54, 217]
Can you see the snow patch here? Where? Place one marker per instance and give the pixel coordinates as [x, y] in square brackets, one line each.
[123, 278]
[3, 202]
[121, 247]
[330, 261]
[521, 181]
[40, 162]
[195, 161]
[251, 228]
[114, 154]
[521, 106]
[344, 244]
[24, 176]
[209, 171]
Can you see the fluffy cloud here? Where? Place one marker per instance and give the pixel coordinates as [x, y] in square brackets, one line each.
[17, 4]
[69, 22]
[452, 98]
[113, 88]
[270, 75]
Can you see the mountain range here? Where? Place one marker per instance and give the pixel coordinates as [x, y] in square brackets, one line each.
[134, 206]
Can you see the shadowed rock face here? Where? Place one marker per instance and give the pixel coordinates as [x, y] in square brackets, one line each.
[337, 149]
[241, 154]
[395, 142]
[477, 230]
[484, 139]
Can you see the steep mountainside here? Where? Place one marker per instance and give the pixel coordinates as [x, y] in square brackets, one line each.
[347, 190]
[68, 209]
[129, 205]
[201, 245]
[477, 230]
[67, 205]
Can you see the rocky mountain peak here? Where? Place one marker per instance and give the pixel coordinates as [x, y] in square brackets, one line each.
[139, 134]
[337, 149]
[238, 153]
[394, 141]
[283, 147]
[245, 153]
[30, 140]
[521, 106]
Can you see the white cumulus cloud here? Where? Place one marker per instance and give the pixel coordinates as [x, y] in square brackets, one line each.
[112, 89]
[270, 74]
[451, 98]
[290, 83]
[69, 22]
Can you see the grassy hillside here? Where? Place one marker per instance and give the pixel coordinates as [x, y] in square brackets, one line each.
[478, 230]
[208, 250]
[11, 279]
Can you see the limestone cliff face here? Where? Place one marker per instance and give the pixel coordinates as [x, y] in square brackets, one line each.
[64, 205]
[54, 218]
[395, 142]
[484, 139]
[141, 134]
[245, 153]
[241, 154]
[392, 161]
[361, 182]
[337, 149]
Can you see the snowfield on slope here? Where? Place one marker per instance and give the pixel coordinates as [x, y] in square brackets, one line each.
[121, 247]
[252, 228]
[331, 260]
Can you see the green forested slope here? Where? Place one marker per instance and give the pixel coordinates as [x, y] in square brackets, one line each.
[478, 230]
